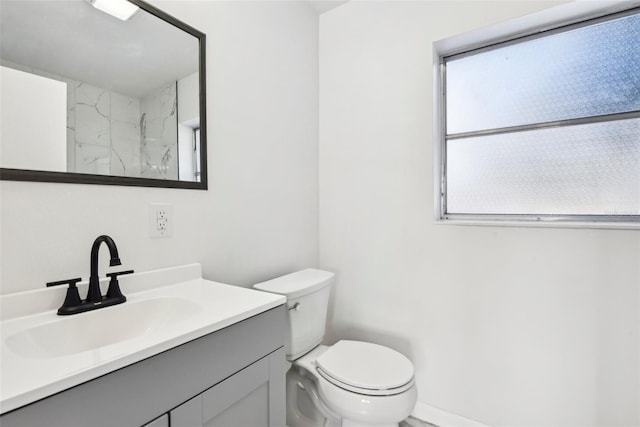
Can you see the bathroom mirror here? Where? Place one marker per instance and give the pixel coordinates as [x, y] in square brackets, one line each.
[91, 98]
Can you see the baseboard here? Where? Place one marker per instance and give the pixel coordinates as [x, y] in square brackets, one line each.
[441, 418]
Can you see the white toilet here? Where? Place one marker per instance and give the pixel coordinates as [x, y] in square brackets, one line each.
[351, 383]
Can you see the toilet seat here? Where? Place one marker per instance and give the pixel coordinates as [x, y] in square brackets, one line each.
[366, 368]
[351, 403]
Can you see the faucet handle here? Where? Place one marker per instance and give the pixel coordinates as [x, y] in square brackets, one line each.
[114, 286]
[71, 282]
[119, 273]
[72, 298]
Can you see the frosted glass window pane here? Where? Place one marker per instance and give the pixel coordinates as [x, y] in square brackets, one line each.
[584, 72]
[591, 169]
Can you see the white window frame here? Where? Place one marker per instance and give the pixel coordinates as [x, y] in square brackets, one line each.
[548, 19]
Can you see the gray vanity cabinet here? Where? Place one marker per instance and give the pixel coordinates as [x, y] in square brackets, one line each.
[232, 377]
[162, 421]
[241, 400]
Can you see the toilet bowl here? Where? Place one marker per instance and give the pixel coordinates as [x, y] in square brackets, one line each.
[351, 383]
[362, 394]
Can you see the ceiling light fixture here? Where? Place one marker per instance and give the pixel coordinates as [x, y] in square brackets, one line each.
[121, 9]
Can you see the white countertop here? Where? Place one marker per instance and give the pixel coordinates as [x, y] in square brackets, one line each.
[27, 377]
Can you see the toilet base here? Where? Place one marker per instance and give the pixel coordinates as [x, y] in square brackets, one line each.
[306, 409]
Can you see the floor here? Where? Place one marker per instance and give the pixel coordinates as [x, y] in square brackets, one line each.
[414, 422]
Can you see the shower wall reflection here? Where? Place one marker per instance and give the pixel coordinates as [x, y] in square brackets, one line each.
[109, 133]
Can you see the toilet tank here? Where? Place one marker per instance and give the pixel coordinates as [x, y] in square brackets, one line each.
[307, 293]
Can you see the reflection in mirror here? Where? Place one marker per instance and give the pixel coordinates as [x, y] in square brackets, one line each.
[84, 92]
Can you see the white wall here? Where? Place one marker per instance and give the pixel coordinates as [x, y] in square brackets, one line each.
[188, 99]
[24, 96]
[259, 217]
[506, 326]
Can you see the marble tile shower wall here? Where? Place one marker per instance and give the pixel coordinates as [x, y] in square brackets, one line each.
[118, 135]
[113, 134]
[159, 133]
[103, 127]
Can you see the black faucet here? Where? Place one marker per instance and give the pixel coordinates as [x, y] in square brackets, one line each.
[73, 304]
[94, 295]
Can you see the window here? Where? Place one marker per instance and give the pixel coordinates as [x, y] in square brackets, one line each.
[196, 154]
[544, 127]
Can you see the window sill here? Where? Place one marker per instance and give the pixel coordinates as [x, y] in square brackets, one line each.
[549, 223]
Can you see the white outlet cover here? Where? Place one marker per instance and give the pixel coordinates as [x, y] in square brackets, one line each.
[160, 219]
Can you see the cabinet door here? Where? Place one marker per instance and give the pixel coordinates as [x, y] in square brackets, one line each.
[252, 397]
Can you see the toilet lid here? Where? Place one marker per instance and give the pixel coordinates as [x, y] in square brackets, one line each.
[365, 365]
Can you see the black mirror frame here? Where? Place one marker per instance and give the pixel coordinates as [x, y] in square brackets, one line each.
[7, 174]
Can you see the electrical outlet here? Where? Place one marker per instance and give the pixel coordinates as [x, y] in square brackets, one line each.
[160, 219]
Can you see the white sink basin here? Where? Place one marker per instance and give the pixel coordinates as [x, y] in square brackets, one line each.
[43, 353]
[100, 328]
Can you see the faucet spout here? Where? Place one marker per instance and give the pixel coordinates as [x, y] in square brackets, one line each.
[94, 294]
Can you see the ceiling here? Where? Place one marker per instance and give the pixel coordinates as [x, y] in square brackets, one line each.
[70, 38]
